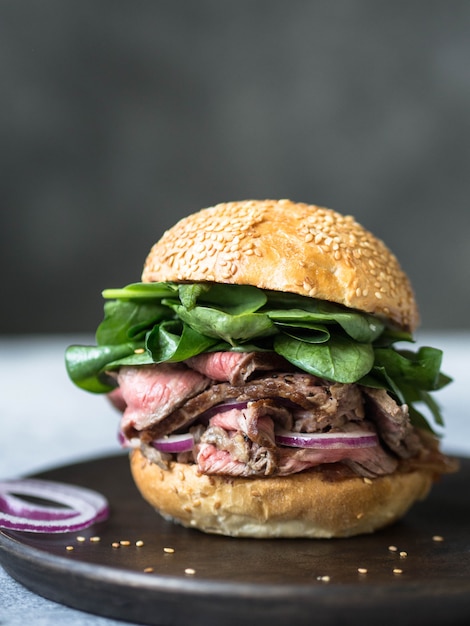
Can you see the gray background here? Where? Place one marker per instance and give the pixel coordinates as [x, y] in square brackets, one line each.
[119, 117]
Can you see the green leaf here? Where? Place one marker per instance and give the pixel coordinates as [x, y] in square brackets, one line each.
[86, 364]
[142, 290]
[125, 320]
[340, 359]
[310, 333]
[141, 358]
[175, 341]
[233, 329]
[231, 299]
[421, 368]
[361, 327]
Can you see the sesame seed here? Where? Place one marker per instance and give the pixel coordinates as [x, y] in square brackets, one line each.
[362, 570]
[168, 550]
[367, 481]
[139, 543]
[81, 539]
[190, 571]
[139, 351]
[324, 579]
[125, 542]
[115, 544]
[69, 548]
[403, 554]
[397, 570]
[148, 570]
[392, 548]
[438, 538]
[95, 539]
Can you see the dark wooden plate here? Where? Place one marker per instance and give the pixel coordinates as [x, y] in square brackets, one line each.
[247, 581]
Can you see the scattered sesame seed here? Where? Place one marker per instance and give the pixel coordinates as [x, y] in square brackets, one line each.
[396, 570]
[168, 550]
[95, 539]
[367, 481]
[125, 542]
[362, 570]
[69, 548]
[438, 538]
[324, 579]
[81, 539]
[148, 570]
[403, 554]
[115, 544]
[139, 543]
[190, 571]
[392, 548]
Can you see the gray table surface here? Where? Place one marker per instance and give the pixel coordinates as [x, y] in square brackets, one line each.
[47, 422]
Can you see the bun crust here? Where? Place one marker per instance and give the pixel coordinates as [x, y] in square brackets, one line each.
[300, 505]
[286, 246]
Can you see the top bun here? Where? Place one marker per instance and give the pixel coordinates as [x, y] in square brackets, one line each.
[286, 246]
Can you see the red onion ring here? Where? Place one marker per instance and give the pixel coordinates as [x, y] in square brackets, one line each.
[82, 507]
[326, 441]
[172, 444]
[221, 408]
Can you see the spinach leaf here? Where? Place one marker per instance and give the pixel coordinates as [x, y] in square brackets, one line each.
[340, 359]
[176, 341]
[233, 329]
[410, 377]
[141, 290]
[422, 368]
[86, 364]
[362, 328]
[124, 320]
[232, 299]
[310, 333]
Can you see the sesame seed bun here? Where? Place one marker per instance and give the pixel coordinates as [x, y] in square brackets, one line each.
[300, 505]
[286, 246]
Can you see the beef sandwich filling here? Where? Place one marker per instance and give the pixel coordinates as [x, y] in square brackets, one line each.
[254, 414]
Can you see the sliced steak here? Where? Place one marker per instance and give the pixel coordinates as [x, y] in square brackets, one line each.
[393, 423]
[297, 390]
[334, 406]
[237, 367]
[212, 460]
[150, 393]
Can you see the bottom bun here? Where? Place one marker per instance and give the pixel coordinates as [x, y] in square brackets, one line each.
[299, 505]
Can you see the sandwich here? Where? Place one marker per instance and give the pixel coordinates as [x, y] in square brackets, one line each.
[266, 378]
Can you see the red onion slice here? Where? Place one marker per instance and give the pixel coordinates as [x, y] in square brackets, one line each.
[20, 508]
[172, 444]
[326, 441]
[82, 507]
[222, 408]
